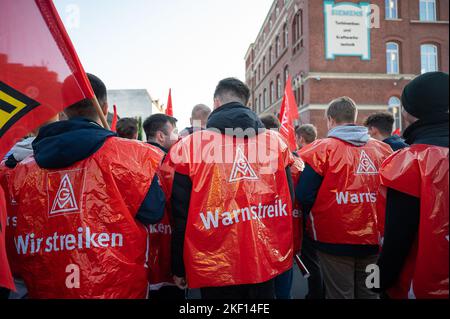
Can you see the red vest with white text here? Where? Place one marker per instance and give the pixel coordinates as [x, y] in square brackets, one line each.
[6, 280]
[6, 176]
[345, 209]
[159, 255]
[77, 236]
[239, 228]
[296, 170]
[422, 171]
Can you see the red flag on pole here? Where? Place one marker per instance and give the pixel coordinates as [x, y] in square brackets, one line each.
[114, 120]
[169, 108]
[40, 73]
[288, 114]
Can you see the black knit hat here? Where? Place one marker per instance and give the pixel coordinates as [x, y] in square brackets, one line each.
[427, 96]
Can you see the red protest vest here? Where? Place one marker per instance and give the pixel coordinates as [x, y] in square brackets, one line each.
[345, 210]
[77, 236]
[159, 255]
[6, 176]
[6, 280]
[239, 228]
[296, 170]
[422, 171]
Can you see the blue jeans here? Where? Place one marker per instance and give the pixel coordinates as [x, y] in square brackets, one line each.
[283, 285]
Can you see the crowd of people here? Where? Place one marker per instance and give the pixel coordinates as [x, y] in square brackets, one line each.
[226, 207]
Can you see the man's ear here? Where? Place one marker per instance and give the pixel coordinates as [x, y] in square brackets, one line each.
[105, 108]
[217, 103]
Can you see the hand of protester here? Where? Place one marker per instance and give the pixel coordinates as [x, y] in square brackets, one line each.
[180, 282]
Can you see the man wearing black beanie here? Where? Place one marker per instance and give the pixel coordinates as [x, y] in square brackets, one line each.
[414, 262]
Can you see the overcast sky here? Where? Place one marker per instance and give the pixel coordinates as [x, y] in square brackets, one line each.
[160, 44]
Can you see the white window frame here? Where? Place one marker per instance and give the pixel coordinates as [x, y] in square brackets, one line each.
[389, 58]
[395, 107]
[392, 10]
[428, 15]
[429, 58]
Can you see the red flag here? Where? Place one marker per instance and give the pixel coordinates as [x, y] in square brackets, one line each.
[398, 132]
[288, 114]
[114, 120]
[169, 109]
[40, 73]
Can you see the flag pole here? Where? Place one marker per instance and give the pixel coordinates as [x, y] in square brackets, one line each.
[100, 113]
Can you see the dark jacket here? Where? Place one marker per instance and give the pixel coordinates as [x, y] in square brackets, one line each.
[62, 144]
[403, 210]
[233, 116]
[396, 143]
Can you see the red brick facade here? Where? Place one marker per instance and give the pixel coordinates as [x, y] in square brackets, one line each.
[317, 81]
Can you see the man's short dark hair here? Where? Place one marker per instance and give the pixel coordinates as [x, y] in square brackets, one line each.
[232, 89]
[308, 132]
[343, 110]
[156, 123]
[270, 121]
[127, 128]
[384, 122]
[85, 108]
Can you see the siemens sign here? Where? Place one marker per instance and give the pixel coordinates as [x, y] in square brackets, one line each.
[347, 29]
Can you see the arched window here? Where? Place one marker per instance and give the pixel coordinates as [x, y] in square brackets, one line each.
[428, 10]
[297, 31]
[270, 56]
[391, 9]
[264, 66]
[392, 58]
[272, 93]
[259, 103]
[279, 87]
[265, 99]
[286, 75]
[429, 58]
[285, 36]
[277, 47]
[395, 109]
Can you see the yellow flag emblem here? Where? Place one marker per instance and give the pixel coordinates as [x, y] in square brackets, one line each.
[13, 106]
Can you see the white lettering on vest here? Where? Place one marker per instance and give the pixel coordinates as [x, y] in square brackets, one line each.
[214, 220]
[28, 244]
[344, 198]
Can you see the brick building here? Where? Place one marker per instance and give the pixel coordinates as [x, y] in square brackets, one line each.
[406, 38]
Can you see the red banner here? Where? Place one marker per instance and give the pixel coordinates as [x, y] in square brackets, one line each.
[288, 114]
[169, 109]
[40, 73]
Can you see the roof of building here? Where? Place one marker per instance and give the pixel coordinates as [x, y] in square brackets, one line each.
[131, 103]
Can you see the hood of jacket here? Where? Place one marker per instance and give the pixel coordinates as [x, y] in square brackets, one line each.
[355, 135]
[23, 149]
[232, 117]
[62, 144]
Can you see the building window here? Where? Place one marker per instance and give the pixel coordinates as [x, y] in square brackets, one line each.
[265, 99]
[429, 58]
[286, 75]
[259, 72]
[270, 56]
[297, 31]
[427, 10]
[259, 105]
[264, 66]
[391, 9]
[285, 36]
[394, 108]
[277, 47]
[279, 87]
[272, 93]
[392, 58]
